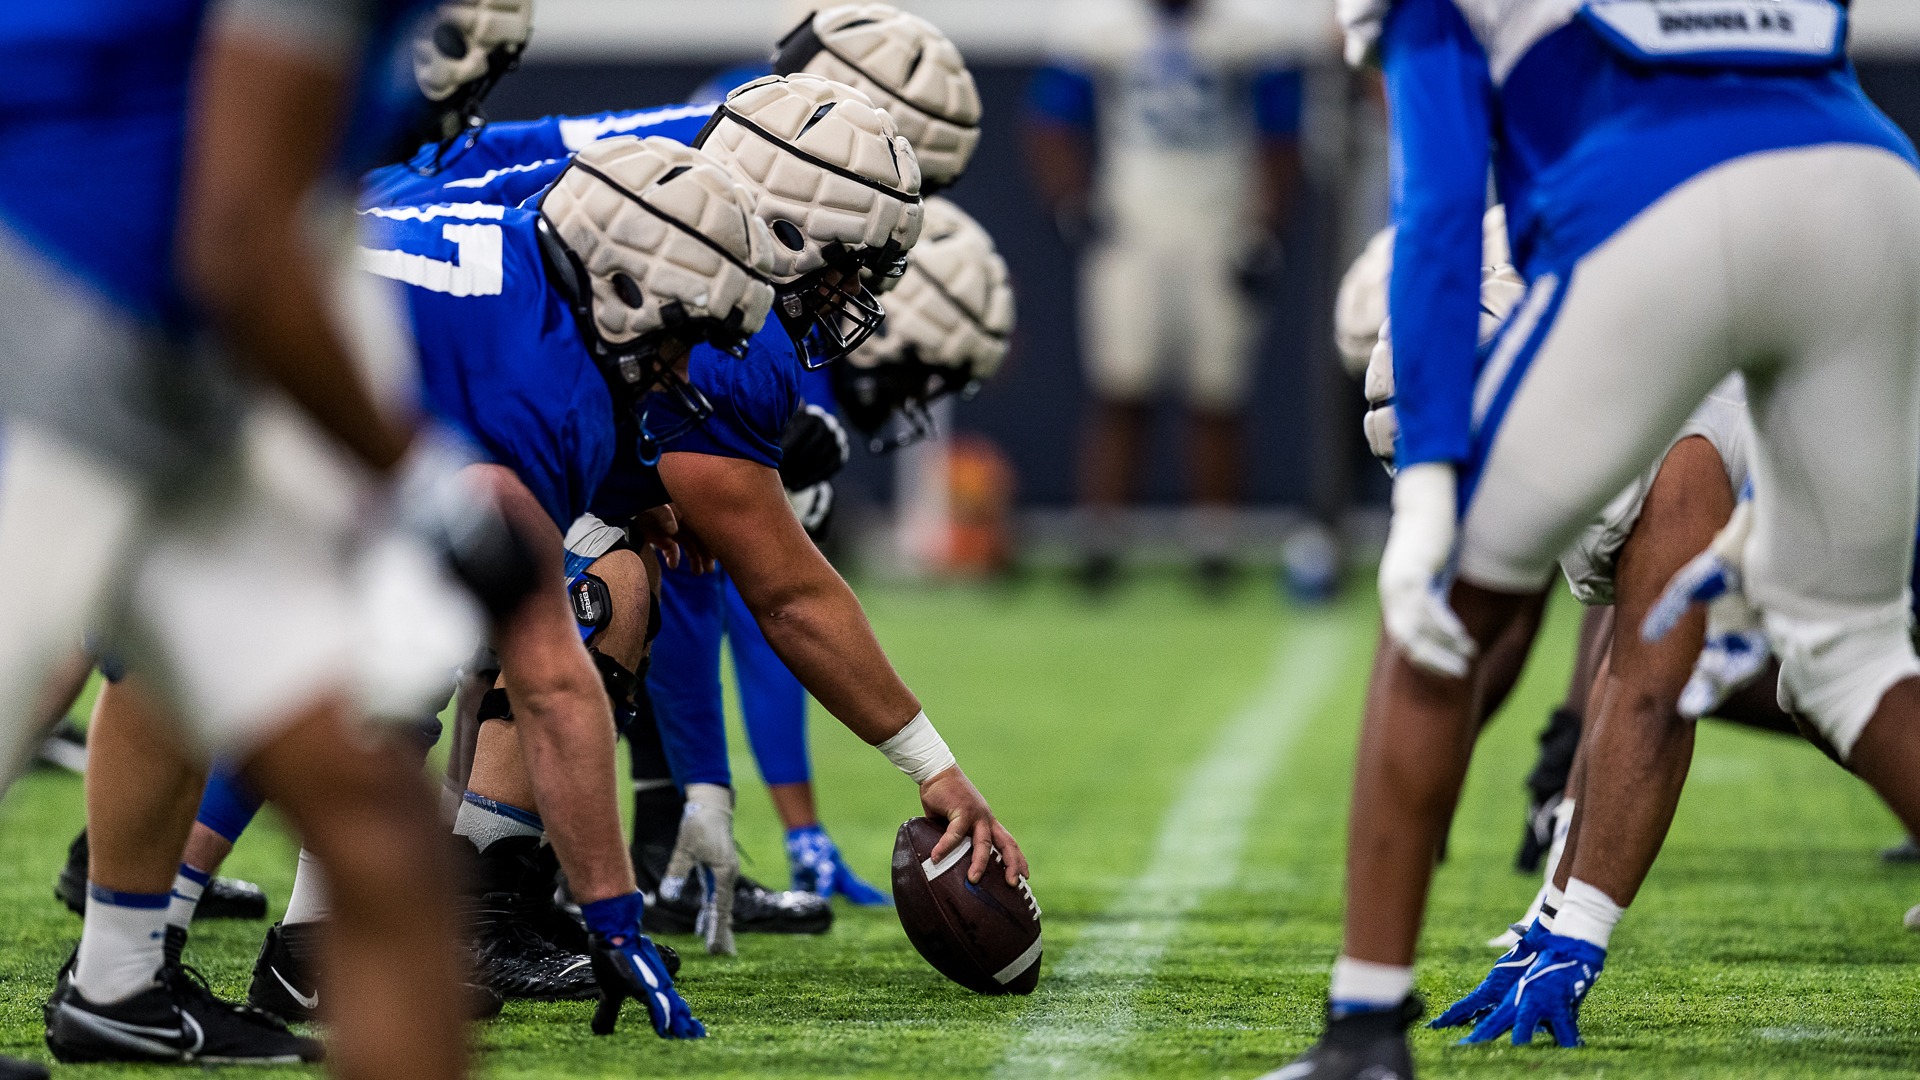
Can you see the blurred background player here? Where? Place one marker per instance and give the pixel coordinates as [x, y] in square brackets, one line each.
[132, 466]
[1163, 137]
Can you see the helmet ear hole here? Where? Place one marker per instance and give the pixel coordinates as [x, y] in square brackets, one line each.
[449, 41]
[789, 234]
[628, 291]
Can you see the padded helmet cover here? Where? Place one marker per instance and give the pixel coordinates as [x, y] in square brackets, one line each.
[657, 222]
[829, 173]
[954, 307]
[459, 48]
[907, 66]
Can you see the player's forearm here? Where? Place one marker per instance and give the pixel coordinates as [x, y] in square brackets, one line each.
[819, 630]
[566, 734]
[258, 150]
[1279, 184]
[1062, 164]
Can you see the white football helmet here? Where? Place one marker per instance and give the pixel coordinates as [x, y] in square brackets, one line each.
[838, 187]
[947, 327]
[653, 239]
[907, 66]
[469, 46]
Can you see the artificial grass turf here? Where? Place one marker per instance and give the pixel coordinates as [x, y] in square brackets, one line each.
[1767, 943]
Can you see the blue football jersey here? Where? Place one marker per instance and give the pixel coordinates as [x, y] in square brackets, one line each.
[501, 357]
[93, 103]
[510, 162]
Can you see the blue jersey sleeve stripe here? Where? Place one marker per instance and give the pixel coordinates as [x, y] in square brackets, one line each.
[1438, 100]
[1061, 95]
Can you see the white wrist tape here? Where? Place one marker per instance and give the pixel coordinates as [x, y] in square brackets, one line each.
[918, 750]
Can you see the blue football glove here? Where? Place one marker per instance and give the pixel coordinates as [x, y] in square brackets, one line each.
[1498, 984]
[1549, 994]
[626, 965]
[1736, 649]
[819, 869]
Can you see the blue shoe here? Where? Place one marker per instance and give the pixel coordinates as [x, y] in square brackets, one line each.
[819, 869]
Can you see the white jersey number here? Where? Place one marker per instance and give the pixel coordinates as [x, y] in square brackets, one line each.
[476, 267]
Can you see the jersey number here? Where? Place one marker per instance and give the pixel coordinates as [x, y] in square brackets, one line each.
[474, 271]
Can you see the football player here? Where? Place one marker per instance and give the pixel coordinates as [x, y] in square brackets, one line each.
[915, 73]
[126, 468]
[1648, 223]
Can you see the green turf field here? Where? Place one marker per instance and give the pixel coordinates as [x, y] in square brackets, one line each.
[1178, 774]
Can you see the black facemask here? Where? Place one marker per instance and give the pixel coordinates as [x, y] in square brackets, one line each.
[459, 119]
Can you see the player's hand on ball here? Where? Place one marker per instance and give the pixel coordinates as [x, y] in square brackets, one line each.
[1412, 596]
[952, 798]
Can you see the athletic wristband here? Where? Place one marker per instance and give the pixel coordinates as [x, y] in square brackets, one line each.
[918, 750]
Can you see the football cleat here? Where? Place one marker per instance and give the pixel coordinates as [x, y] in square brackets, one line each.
[1358, 1046]
[284, 981]
[514, 887]
[224, 898]
[12, 1068]
[756, 908]
[176, 1020]
[819, 869]
[1906, 852]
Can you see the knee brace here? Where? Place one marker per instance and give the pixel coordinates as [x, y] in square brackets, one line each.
[1835, 671]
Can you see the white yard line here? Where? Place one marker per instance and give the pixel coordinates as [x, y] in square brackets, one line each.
[1088, 1008]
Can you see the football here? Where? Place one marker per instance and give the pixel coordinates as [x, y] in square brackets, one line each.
[986, 937]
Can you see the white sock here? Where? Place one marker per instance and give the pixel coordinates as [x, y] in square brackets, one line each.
[483, 821]
[1551, 901]
[188, 885]
[1588, 915]
[308, 901]
[1362, 986]
[122, 945]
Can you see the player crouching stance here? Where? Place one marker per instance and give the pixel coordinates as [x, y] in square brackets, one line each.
[1660, 255]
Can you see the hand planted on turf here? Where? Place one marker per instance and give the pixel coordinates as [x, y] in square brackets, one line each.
[952, 798]
[1494, 989]
[1736, 649]
[1412, 593]
[1549, 994]
[705, 850]
[628, 966]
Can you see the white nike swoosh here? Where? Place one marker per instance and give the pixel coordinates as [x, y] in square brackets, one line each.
[1528, 979]
[1524, 961]
[573, 967]
[306, 1001]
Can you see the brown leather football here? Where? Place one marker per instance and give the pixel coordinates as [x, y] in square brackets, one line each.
[986, 937]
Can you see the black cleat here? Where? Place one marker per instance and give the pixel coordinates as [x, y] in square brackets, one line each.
[513, 902]
[224, 898]
[12, 1068]
[176, 1020]
[1905, 853]
[756, 908]
[1366, 1046]
[285, 982]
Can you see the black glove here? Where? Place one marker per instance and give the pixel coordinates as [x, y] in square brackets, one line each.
[1259, 266]
[813, 448]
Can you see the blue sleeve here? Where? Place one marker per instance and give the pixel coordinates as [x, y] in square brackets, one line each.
[1277, 98]
[1061, 95]
[1438, 93]
[753, 397]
